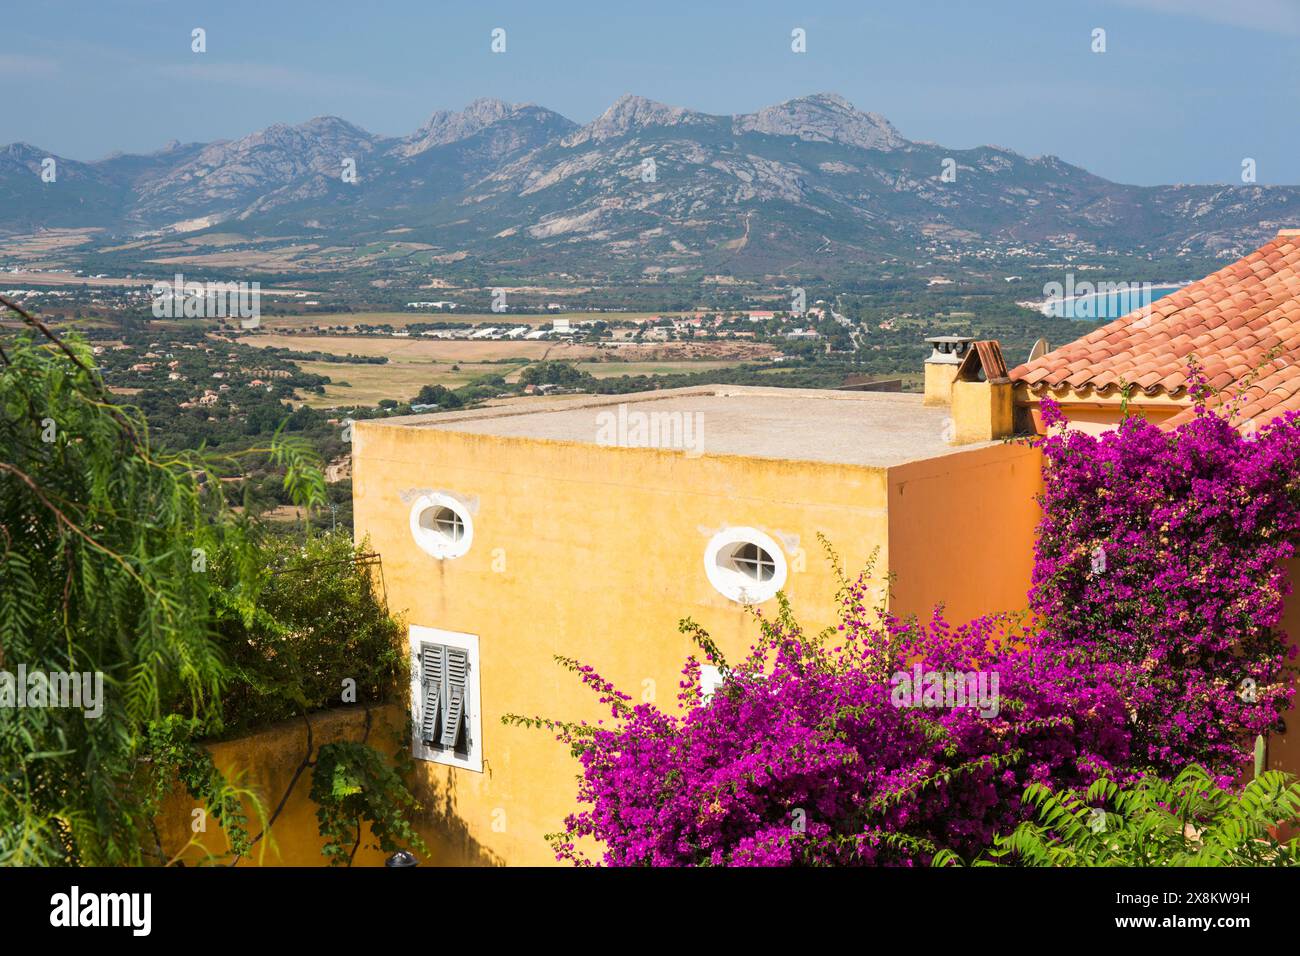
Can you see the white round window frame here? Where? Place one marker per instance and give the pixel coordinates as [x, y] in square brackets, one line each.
[430, 541]
[729, 582]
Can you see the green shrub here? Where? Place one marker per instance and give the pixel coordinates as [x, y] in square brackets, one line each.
[1187, 821]
[317, 624]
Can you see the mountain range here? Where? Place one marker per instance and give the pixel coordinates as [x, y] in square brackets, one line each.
[643, 188]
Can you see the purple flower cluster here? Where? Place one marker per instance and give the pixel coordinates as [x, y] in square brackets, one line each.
[1161, 558]
[804, 755]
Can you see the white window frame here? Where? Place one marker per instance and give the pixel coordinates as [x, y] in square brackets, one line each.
[473, 760]
[710, 680]
[732, 583]
[433, 542]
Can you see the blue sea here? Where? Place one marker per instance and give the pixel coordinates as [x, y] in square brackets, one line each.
[1110, 304]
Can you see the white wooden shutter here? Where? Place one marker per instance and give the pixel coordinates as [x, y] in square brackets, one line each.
[431, 679]
[457, 670]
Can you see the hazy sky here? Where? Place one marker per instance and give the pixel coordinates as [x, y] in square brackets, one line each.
[1184, 92]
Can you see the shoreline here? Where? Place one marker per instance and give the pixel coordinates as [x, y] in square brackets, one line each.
[1046, 307]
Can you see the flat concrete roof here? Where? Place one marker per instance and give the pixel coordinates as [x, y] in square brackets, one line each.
[875, 429]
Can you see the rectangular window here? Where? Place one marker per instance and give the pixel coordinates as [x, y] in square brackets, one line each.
[445, 698]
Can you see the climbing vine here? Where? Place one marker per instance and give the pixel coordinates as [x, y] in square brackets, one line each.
[354, 785]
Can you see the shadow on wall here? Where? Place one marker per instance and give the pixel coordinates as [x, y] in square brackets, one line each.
[443, 828]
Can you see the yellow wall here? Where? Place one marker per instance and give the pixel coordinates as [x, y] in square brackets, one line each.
[961, 531]
[939, 377]
[981, 411]
[265, 762]
[598, 553]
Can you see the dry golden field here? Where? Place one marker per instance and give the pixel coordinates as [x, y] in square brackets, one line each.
[367, 384]
[416, 361]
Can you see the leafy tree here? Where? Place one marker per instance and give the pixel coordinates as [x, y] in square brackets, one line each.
[104, 550]
[554, 373]
[439, 395]
[317, 634]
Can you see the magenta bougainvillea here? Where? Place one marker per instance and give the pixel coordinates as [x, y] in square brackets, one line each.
[1163, 552]
[1157, 591]
[810, 752]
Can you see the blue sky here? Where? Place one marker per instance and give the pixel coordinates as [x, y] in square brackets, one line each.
[1184, 92]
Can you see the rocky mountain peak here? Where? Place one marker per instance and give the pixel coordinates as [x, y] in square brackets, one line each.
[630, 113]
[508, 181]
[448, 126]
[823, 117]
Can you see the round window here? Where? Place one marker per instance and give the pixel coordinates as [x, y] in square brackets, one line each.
[745, 565]
[441, 526]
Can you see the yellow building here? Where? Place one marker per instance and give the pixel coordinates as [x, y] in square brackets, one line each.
[589, 527]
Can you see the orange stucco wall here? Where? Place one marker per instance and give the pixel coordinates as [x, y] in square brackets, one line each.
[1095, 418]
[1284, 747]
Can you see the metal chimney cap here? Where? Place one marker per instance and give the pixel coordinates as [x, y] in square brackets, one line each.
[948, 349]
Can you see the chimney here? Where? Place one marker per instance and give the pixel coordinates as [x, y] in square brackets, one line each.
[982, 409]
[941, 367]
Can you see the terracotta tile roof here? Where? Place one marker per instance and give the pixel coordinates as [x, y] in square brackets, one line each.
[1272, 391]
[1241, 323]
